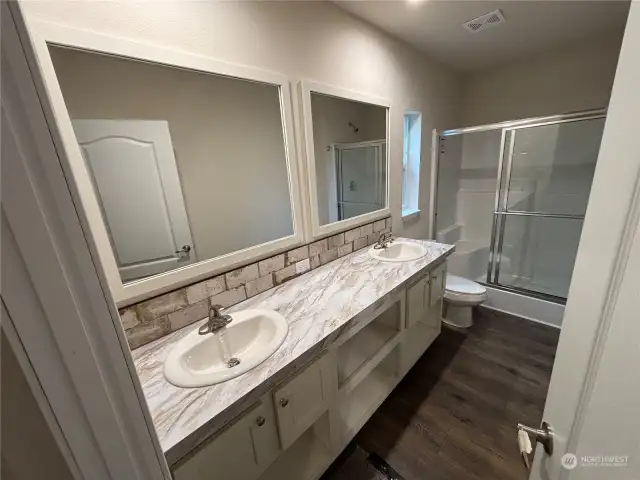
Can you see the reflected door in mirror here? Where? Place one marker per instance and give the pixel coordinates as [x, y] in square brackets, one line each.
[187, 166]
[134, 171]
[350, 157]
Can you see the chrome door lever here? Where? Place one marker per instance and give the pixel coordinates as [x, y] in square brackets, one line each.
[184, 250]
[542, 435]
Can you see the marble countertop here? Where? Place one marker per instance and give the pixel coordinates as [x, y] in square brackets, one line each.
[318, 306]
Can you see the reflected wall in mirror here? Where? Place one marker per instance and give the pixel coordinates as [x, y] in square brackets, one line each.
[187, 166]
[350, 148]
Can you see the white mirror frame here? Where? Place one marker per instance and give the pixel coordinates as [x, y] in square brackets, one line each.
[44, 34]
[307, 87]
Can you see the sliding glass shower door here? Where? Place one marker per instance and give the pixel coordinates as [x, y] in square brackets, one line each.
[543, 190]
[360, 172]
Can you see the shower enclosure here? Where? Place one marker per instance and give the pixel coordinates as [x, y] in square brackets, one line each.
[360, 173]
[512, 197]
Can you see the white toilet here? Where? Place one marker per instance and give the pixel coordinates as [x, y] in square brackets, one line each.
[460, 296]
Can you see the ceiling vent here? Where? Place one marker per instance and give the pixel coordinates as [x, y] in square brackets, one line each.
[483, 22]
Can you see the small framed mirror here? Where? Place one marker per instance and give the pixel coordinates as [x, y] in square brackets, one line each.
[347, 152]
[184, 165]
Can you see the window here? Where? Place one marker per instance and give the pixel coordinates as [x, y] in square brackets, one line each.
[411, 163]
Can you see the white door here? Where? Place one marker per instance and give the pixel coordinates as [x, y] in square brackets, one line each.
[593, 403]
[138, 187]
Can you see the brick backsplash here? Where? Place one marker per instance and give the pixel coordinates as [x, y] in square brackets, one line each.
[149, 320]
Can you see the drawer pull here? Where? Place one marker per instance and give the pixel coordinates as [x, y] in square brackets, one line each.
[260, 421]
[284, 402]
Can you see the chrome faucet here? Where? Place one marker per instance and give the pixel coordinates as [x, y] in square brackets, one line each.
[384, 240]
[217, 320]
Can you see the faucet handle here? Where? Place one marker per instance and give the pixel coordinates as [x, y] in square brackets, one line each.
[216, 310]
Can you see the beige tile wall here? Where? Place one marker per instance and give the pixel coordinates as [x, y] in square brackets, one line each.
[149, 320]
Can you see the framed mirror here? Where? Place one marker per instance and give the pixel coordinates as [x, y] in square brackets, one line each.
[184, 165]
[347, 151]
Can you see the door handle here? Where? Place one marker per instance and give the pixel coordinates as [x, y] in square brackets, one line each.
[184, 250]
[542, 435]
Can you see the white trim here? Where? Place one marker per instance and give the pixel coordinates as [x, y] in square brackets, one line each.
[44, 33]
[410, 213]
[58, 296]
[433, 187]
[411, 135]
[315, 230]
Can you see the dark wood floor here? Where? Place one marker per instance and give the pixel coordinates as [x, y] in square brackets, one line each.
[454, 415]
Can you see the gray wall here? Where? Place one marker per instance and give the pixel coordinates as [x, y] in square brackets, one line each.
[571, 77]
[227, 136]
[29, 451]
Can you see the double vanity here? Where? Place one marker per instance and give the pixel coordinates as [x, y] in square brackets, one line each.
[195, 195]
[354, 328]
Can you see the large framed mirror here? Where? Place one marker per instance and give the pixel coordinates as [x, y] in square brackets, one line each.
[347, 152]
[185, 166]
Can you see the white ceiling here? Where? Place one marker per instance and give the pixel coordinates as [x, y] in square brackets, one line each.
[435, 27]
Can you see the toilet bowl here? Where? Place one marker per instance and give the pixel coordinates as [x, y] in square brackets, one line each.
[460, 296]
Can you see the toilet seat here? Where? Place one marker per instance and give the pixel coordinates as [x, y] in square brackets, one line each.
[465, 291]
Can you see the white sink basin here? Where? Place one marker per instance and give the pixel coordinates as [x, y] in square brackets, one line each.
[251, 337]
[399, 251]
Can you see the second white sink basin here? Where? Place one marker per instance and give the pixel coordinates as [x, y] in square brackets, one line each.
[399, 251]
[200, 360]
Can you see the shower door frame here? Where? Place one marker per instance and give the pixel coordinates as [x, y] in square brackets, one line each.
[501, 210]
[337, 148]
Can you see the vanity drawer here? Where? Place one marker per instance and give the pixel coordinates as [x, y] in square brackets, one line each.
[242, 449]
[438, 284]
[302, 399]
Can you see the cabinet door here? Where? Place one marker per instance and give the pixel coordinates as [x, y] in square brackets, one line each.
[438, 284]
[433, 298]
[416, 301]
[243, 449]
[301, 400]
[415, 343]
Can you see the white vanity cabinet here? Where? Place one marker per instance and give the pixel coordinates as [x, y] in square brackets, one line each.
[423, 319]
[243, 449]
[299, 427]
[424, 299]
[438, 282]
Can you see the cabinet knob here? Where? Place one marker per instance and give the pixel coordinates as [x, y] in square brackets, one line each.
[284, 402]
[260, 421]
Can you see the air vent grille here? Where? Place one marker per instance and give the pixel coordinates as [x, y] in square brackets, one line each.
[483, 22]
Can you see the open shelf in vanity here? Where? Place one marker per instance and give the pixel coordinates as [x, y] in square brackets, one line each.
[356, 406]
[369, 365]
[308, 456]
[360, 354]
